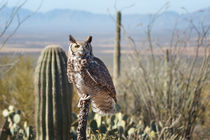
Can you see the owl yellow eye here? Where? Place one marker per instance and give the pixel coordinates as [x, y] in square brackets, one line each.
[76, 46]
[86, 46]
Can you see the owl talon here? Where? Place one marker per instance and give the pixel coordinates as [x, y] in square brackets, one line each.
[79, 104]
[85, 98]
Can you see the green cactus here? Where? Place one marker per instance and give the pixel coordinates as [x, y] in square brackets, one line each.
[12, 127]
[116, 63]
[123, 127]
[117, 126]
[54, 95]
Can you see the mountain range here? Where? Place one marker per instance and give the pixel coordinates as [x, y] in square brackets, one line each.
[54, 27]
[82, 22]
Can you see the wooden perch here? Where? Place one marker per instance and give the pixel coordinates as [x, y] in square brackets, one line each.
[82, 123]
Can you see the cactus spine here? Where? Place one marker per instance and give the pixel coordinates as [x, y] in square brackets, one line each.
[116, 67]
[54, 95]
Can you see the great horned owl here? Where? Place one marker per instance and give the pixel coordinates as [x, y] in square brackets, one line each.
[90, 77]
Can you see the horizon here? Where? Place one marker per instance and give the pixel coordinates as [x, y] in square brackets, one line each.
[166, 10]
[111, 6]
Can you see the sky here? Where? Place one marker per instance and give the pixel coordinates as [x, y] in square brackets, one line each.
[110, 6]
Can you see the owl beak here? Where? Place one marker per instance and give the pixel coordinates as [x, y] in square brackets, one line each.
[82, 52]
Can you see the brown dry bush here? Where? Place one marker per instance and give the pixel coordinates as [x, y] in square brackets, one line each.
[166, 84]
[16, 84]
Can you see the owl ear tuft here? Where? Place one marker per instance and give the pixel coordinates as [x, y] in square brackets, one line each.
[89, 39]
[71, 39]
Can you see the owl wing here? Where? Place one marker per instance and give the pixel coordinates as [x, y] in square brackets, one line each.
[100, 75]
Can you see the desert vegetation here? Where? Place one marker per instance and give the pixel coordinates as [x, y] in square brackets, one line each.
[162, 91]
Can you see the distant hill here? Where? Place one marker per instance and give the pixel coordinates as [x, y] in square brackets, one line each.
[53, 27]
[67, 20]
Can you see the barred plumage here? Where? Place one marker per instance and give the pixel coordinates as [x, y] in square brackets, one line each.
[91, 77]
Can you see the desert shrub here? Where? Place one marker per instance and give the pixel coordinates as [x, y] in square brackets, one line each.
[16, 86]
[202, 129]
[165, 85]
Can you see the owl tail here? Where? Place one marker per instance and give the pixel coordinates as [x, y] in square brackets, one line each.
[103, 104]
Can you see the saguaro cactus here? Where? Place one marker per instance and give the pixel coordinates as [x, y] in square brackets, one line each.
[54, 95]
[116, 64]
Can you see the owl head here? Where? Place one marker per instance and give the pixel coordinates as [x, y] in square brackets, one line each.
[80, 48]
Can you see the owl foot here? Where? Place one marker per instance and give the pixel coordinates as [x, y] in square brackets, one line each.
[85, 98]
